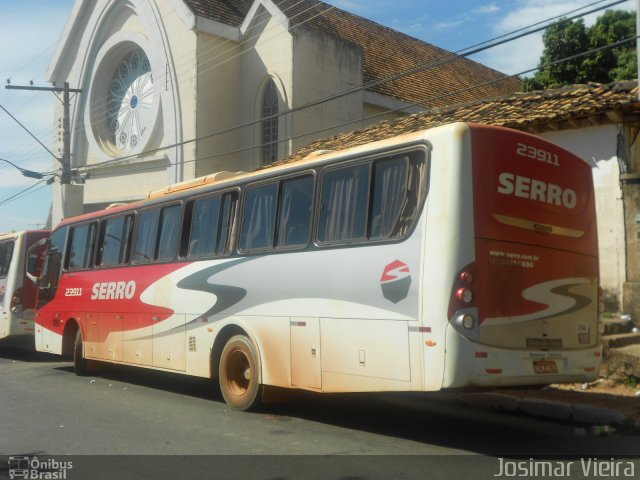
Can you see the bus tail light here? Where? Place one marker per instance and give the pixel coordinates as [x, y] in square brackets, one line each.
[463, 313]
[463, 295]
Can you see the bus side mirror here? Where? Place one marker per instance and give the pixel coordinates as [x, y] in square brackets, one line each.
[35, 259]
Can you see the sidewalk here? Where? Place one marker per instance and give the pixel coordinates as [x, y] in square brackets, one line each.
[612, 402]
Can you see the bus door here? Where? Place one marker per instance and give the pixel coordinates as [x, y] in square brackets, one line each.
[48, 312]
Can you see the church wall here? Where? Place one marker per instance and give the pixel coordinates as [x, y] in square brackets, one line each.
[267, 53]
[324, 65]
[215, 105]
[374, 114]
[105, 33]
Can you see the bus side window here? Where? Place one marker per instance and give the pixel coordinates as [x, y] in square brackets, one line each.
[158, 234]
[389, 195]
[114, 238]
[295, 209]
[344, 202]
[372, 201]
[145, 244]
[81, 247]
[259, 217]
[210, 225]
[169, 232]
[6, 253]
[227, 216]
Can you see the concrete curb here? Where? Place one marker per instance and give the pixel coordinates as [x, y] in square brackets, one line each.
[552, 409]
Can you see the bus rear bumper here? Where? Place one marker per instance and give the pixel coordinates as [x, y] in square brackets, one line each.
[471, 364]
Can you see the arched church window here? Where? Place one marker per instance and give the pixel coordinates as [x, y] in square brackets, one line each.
[269, 124]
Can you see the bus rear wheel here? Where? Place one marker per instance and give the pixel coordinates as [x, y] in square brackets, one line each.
[238, 374]
[79, 362]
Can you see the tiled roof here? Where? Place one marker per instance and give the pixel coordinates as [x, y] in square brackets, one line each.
[229, 12]
[386, 52]
[572, 107]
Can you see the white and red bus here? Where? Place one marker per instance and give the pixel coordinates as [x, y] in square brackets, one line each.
[460, 256]
[17, 292]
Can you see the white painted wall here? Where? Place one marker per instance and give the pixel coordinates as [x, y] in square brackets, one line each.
[267, 53]
[598, 145]
[86, 56]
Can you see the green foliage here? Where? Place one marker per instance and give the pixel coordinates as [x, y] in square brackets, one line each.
[566, 39]
[631, 381]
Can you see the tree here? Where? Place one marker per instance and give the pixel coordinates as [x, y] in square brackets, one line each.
[565, 39]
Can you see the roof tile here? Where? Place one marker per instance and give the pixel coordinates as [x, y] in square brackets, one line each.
[519, 111]
[444, 78]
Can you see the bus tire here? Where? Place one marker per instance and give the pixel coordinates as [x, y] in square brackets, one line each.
[238, 374]
[80, 365]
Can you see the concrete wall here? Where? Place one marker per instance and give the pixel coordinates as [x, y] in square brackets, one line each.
[631, 189]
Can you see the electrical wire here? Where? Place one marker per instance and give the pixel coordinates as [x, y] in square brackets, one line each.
[418, 68]
[386, 112]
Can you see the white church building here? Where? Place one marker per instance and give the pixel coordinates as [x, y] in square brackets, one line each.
[175, 89]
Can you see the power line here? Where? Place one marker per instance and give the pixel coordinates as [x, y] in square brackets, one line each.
[103, 117]
[370, 117]
[388, 111]
[23, 193]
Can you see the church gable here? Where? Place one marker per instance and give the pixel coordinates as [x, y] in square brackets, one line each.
[447, 79]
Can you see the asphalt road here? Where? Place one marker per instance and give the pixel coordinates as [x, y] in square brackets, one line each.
[133, 423]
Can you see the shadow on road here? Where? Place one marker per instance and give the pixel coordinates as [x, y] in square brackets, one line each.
[418, 417]
[26, 353]
[170, 382]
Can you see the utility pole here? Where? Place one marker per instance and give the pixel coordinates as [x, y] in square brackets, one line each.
[67, 200]
[65, 161]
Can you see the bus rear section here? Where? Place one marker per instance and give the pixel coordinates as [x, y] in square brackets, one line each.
[525, 311]
[17, 292]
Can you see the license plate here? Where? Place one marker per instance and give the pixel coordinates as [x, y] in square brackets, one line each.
[545, 366]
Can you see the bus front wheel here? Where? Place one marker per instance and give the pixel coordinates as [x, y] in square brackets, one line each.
[238, 374]
[79, 362]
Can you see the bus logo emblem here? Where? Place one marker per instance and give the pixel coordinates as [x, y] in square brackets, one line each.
[395, 281]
